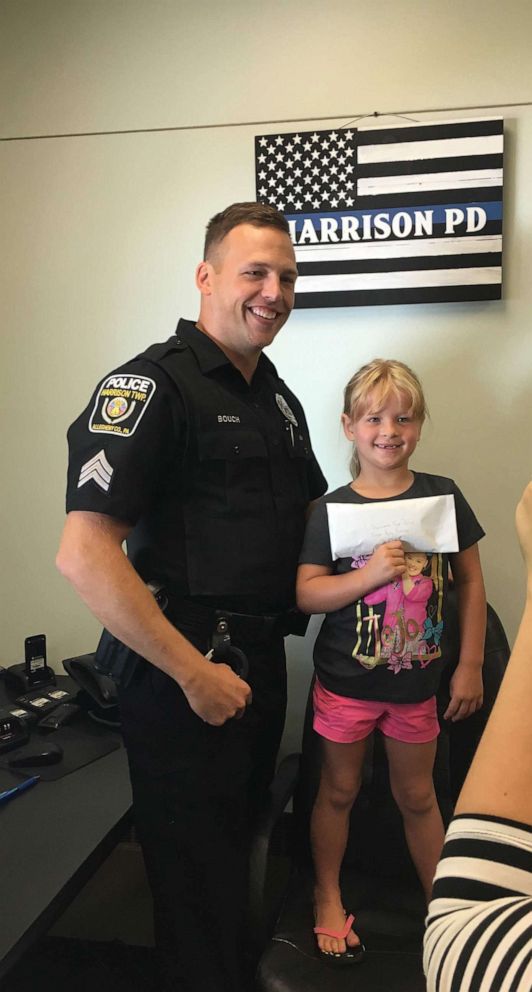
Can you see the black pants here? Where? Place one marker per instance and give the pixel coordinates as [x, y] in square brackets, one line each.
[196, 791]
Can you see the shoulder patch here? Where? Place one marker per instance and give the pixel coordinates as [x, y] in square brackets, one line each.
[121, 402]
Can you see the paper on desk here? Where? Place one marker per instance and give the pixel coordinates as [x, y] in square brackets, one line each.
[424, 524]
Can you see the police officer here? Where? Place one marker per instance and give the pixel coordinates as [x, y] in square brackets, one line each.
[198, 455]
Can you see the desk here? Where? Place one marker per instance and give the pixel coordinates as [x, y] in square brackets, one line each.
[52, 839]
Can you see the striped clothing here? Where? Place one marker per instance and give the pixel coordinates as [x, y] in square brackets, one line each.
[479, 927]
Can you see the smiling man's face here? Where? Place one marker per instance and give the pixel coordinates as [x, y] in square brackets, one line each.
[247, 288]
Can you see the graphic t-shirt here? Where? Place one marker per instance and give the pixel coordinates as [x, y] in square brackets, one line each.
[390, 644]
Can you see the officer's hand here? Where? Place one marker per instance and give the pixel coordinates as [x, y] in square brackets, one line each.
[386, 563]
[216, 694]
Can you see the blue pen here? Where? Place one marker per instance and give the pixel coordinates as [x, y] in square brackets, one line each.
[21, 787]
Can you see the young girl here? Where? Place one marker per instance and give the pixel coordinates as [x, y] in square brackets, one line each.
[381, 648]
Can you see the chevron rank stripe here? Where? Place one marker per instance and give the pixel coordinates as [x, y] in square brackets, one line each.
[407, 214]
[99, 470]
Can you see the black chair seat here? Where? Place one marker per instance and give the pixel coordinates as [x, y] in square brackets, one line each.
[393, 937]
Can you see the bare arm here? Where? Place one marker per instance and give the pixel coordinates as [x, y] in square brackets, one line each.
[499, 780]
[319, 591]
[90, 556]
[466, 682]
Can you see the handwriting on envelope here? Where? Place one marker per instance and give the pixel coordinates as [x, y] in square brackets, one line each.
[424, 524]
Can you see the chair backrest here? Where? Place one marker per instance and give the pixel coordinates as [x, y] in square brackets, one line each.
[376, 837]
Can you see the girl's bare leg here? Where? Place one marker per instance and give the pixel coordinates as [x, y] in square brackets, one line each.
[412, 785]
[339, 785]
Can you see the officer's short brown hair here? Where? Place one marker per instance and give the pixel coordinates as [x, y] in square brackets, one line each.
[258, 214]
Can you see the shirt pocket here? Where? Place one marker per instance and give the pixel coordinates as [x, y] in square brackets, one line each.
[233, 474]
[297, 445]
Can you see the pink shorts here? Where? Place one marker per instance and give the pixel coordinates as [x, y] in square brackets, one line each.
[346, 720]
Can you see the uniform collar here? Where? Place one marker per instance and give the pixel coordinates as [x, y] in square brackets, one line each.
[207, 352]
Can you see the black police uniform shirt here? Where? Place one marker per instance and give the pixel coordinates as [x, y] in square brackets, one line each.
[213, 474]
[393, 643]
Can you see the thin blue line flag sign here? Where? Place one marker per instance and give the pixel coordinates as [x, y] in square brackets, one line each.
[409, 214]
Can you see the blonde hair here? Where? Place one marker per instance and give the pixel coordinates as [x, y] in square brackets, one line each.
[379, 378]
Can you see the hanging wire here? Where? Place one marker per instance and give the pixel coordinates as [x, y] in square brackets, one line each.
[375, 114]
[275, 123]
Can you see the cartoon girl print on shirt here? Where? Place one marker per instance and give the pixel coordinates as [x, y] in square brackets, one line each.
[401, 634]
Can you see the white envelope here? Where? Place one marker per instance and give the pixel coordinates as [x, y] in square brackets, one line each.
[424, 524]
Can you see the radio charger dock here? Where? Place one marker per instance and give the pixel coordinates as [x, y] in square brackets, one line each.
[34, 673]
[18, 680]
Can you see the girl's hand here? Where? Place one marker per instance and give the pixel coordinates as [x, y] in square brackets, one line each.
[386, 564]
[467, 692]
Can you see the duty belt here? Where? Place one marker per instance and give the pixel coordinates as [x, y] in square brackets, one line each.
[247, 627]
[120, 663]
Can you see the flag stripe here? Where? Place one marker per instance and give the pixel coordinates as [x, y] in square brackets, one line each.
[454, 148]
[398, 222]
[408, 166]
[473, 178]
[426, 197]
[370, 235]
[398, 248]
[336, 282]
[418, 294]
[457, 129]
[394, 264]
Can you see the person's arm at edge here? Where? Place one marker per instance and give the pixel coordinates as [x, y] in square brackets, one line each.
[498, 782]
[466, 683]
[91, 557]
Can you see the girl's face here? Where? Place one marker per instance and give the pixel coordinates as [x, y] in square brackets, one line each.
[385, 435]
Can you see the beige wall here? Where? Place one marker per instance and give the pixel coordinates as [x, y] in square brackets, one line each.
[102, 234]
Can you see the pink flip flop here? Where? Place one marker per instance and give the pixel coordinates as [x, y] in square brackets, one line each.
[351, 955]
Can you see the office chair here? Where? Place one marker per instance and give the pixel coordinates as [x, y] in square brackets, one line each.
[98, 694]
